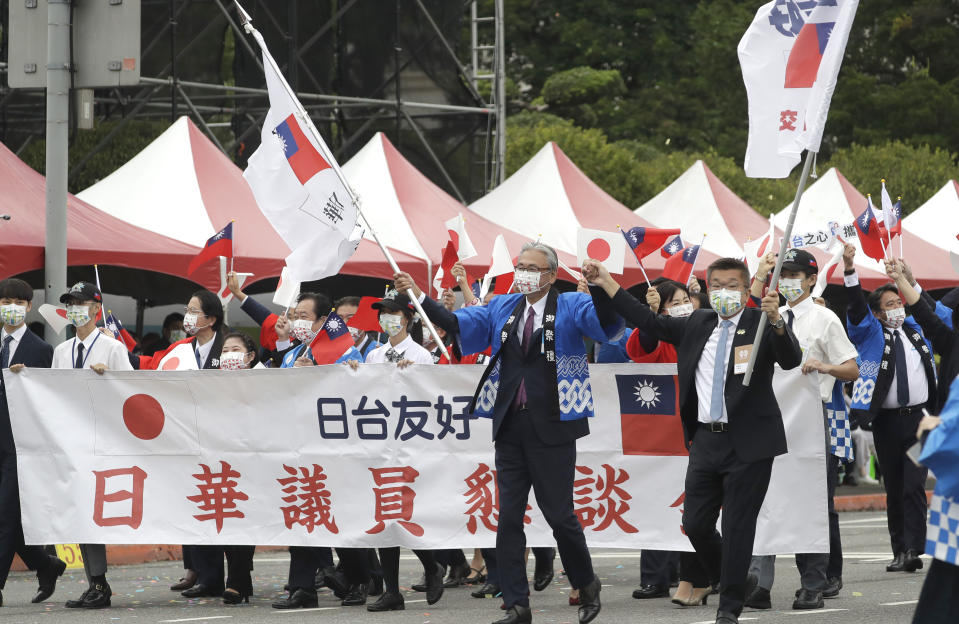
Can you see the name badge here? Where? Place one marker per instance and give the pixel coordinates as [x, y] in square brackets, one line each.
[741, 358]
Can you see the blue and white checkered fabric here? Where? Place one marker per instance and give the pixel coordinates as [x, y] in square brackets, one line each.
[942, 532]
[840, 437]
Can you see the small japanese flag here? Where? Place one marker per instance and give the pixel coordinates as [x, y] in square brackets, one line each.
[287, 290]
[756, 249]
[461, 240]
[502, 264]
[606, 247]
[181, 357]
[55, 316]
[225, 295]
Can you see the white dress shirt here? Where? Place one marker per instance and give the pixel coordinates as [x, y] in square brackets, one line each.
[408, 348]
[98, 348]
[916, 374]
[204, 349]
[707, 362]
[539, 308]
[17, 337]
[822, 337]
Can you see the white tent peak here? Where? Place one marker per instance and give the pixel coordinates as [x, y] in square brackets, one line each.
[937, 220]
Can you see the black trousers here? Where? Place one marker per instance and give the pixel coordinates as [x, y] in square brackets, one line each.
[11, 531]
[305, 562]
[939, 599]
[523, 461]
[716, 479]
[356, 564]
[543, 555]
[207, 562]
[905, 483]
[450, 557]
[390, 561]
[658, 567]
[692, 570]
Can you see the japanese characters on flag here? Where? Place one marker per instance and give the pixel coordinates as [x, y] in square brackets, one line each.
[298, 185]
[375, 457]
[790, 57]
[461, 240]
[609, 248]
[287, 289]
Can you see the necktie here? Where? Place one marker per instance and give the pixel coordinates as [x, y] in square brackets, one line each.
[902, 377]
[789, 318]
[527, 338]
[719, 374]
[79, 362]
[5, 352]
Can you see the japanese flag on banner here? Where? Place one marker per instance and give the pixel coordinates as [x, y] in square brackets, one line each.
[790, 57]
[180, 357]
[298, 184]
[157, 418]
[287, 289]
[606, 247]
[461, 240]
[55, 316]
[756, 249]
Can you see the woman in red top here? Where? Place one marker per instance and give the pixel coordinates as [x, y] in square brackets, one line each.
[672, 298]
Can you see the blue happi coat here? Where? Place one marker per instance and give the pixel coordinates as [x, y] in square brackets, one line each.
[941, 454]
[290, 358]
[480, 328]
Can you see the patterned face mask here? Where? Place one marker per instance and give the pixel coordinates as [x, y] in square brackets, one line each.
[726, 302]
[526, 282]
[12, 314]
[895, 318]
[682, 310]
[189, 323]
[79, 315]
[302, 330]
[233, 360]
[391, 324]
[791, 288]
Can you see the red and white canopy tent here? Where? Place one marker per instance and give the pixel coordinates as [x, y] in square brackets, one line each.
[93, 236]
[182, 186]
[550, 198]
[937, 220]
[833, 198]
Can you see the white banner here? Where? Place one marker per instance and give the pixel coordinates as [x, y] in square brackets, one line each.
[375, 457]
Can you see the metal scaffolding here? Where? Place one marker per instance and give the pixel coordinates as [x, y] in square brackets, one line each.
[445, 114]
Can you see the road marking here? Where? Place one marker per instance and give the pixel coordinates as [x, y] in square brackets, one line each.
[897, 604]
[863, 521]
[742, 619]
[812, 611]
[306, 610]
[200, 619]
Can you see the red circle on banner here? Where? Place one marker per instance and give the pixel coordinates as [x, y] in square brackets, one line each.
[598, 249]
[143, 416]
[171, 364]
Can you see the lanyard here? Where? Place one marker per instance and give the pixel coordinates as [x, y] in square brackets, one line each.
[73, 357]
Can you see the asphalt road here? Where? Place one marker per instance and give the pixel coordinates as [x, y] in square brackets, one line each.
[142, 596]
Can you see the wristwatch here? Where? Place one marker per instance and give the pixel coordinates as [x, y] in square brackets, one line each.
[779, 324]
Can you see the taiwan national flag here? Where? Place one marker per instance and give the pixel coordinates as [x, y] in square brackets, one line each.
[304, 159]
[644, 241]
[672, 247]
[332, 341]
[867, 228]
[680, 266]
[649, 408]
[115, 326]
[220, 244]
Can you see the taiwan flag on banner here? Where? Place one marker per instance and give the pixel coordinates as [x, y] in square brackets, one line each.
[332, 341]
[672, 247]
[649, 410]
[304, 159]
[679, 266]
[220, 244]
[644, 241]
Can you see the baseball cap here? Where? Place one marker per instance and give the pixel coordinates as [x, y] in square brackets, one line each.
[800, 260]
[82, 291]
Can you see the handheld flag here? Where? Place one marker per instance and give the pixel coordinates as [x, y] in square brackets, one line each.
[287, 289]
[220, 244]
[501, 268]
[644, 241]
[891, 215]
[332, 341]
[444, 275]
[756, 249]
[672, 247]
[680, 266]
[115, 326]
[605, 247]
[867, 228]
[55, 316]
[460, 239]
[826, 272]
[790, 57]
[366, 318]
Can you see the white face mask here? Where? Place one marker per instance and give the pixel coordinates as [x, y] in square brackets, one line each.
[12, 314]
[726, 302]
[177, 335]
[895, 318]
[791, 288]
[391, 323]
[232, 360]
[302, 330]
[189, 323]
[526, 282]
[680, 311]
[78, 314]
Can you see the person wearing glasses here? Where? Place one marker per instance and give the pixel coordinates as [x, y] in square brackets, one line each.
[536, 389]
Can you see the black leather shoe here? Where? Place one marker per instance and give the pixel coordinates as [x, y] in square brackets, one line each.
[489, 590]
[589, 606]
[517, 614]
[375, 588]
[47, 579]
[336, 581]
[98, 597]
[759, 599]
[388, 602]
[434, 585]
[186, 582]
[76, 604]
[725, 617]
[457, 575]
[356, 596]
[833, 585]
[651, 591]
[911, 561]
[808, 599]
[543, 575]
[202, 591]
[300, 599]
[898, 563]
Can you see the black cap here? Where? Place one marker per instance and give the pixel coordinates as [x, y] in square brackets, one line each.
[800, 260]
[393, 301]
[82, 291]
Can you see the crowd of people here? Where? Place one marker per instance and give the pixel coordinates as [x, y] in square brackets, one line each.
[877, 376]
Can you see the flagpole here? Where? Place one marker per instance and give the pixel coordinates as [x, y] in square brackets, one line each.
[638, 260]
[233, 238]
[301, 112]
[774, 282]
[692, 271]
[96, 274]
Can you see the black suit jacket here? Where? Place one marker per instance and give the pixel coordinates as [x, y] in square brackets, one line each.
[755, 422]
[35, 353]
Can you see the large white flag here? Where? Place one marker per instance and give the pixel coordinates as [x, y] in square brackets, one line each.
[790, 57]
[298, 184]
